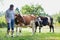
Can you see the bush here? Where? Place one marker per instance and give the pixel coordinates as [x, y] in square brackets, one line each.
[2, 25]
[58, 19]
[2, 21]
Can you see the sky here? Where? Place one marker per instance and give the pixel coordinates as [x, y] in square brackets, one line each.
[50, 6]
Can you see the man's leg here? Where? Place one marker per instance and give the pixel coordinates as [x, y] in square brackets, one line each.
[8, 28]
[12, 27]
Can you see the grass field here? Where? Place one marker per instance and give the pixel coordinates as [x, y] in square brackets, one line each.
[27, 35]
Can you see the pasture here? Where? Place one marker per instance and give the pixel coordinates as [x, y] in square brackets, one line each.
[27, 34]
[36, 7]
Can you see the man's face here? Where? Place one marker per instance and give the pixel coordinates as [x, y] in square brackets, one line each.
[11, 8]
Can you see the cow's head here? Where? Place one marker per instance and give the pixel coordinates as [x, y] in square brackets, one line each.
[19, 18]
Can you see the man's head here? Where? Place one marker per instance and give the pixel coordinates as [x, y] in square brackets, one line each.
[11, 7]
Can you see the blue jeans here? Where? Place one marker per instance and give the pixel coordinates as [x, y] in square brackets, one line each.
[11, 25]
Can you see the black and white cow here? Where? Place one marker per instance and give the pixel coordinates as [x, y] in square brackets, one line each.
[43, 21]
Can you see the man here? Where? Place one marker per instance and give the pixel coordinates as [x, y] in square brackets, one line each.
[10, 19]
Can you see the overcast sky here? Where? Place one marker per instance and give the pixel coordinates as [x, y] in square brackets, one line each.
[50, 6]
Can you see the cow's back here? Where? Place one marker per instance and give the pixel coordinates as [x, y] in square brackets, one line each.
[28, 19]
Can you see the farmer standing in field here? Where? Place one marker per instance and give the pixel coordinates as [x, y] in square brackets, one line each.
[10, 19]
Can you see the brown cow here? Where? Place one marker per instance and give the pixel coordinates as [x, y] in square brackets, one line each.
[25, 20]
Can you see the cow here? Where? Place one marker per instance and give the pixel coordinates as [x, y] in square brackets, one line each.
[24, 21]
[43, 21]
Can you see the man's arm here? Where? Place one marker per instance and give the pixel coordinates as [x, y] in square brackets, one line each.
[6, 16]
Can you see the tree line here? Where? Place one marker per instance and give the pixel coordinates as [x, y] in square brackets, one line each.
[33, 9]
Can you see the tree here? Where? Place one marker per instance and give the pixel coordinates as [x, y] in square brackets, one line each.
[58, 19]
[33, 9]
[26, 9]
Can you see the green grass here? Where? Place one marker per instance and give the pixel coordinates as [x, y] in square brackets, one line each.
[57, 24]
[26, 35]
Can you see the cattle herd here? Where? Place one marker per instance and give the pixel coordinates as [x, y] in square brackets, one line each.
[33, 22]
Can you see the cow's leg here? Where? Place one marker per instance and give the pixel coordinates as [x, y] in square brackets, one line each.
[35, 28]
[39, 29]
[17, 30]
[40, 25]
[52, 28]
[20, 28]
[32, 23]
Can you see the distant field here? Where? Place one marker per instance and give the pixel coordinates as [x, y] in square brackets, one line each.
[27, 35]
